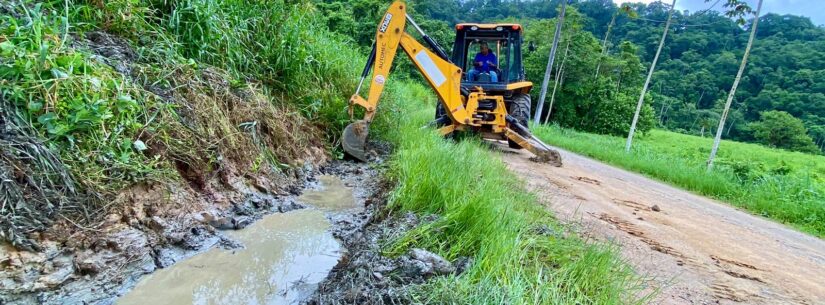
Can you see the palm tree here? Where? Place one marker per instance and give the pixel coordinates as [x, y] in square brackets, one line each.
[737, 8]
[647, 81]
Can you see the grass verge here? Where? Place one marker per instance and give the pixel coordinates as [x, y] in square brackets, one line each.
[521, 255]
[785, 186]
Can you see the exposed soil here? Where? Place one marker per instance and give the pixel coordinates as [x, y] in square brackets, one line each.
[155, 227]
[697, 250]
[365, 274]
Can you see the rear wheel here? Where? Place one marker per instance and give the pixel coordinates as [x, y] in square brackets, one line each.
[520, 110]
[439, 112]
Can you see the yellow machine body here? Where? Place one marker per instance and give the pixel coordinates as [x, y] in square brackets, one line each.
[445, 79]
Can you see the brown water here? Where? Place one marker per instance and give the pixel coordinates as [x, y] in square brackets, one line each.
[284, 256]
[333, 195]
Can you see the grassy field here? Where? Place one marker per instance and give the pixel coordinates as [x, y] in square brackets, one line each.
[488, 215]
[785, 186]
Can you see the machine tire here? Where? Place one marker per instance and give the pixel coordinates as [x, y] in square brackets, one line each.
[439, 112]
[520, 110]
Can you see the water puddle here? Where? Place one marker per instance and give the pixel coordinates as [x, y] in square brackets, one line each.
[333, 195]
[285, 256]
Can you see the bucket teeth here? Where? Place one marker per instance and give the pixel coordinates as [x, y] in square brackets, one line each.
[354, 140]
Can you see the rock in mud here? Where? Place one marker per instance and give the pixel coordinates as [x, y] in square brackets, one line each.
[56, 277]
[656, 208]
[463, 264]
[242, 222]
[157, 224]
[87, 264]
[427, 263]
[223, 223]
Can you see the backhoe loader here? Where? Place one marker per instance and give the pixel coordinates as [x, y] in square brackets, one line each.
[494, 104]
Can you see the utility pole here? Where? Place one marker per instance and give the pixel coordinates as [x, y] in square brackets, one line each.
[647, 81]
[604, 43]
[732, 92]
[559, 81]
[546, 82]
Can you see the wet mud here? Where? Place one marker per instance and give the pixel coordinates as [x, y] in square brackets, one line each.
[366, 274]
[282, 259]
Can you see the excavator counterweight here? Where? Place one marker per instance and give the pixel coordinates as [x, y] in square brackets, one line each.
[467, 103]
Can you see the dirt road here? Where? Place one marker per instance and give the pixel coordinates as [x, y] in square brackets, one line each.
[699, 251]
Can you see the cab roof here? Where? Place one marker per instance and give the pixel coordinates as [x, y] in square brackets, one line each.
[489, 26]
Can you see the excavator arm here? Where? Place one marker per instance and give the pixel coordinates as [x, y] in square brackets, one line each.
[442, 75]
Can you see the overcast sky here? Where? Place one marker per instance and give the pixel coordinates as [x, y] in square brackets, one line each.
[815, 9]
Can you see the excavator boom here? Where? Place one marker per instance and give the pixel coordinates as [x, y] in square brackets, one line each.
[464, 110]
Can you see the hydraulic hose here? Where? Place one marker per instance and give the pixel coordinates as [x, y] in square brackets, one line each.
[370, 61]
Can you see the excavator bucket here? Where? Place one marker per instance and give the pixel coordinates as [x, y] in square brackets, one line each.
[354, 139]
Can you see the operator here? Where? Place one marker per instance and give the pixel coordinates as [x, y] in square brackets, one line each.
[484, 62]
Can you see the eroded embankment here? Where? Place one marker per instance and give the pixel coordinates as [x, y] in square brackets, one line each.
[281, 257]
[157, 229]
[268, 247]
[208, 154]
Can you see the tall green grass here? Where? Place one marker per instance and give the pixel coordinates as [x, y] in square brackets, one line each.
[781, 185]
[285, 46]
[521, 255]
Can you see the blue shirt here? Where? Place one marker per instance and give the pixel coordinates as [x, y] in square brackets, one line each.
[484, 59]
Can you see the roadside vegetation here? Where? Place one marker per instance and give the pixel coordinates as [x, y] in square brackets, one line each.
[99, 96]
[521, 255]
[782, 185]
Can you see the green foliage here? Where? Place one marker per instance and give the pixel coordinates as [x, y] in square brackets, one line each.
[89, 112]
[785, 186]
[286, 47]
[611, 116]
[780, 129]
[601, 103]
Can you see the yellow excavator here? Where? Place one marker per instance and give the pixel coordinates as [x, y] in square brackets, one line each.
[494, 103]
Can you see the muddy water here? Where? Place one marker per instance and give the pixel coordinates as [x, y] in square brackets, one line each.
[284, 256]
[332, 195]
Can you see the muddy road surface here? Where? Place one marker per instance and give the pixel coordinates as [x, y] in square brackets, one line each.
[697, 250]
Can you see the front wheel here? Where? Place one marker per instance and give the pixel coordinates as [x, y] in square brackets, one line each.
[520, 110]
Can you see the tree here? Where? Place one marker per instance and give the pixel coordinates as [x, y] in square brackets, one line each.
[737, 9]
[781, 129]
[647, 81]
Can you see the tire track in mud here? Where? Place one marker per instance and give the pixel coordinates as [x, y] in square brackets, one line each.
[697, 250]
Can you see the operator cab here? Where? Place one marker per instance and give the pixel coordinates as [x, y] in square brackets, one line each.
[503, 40]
